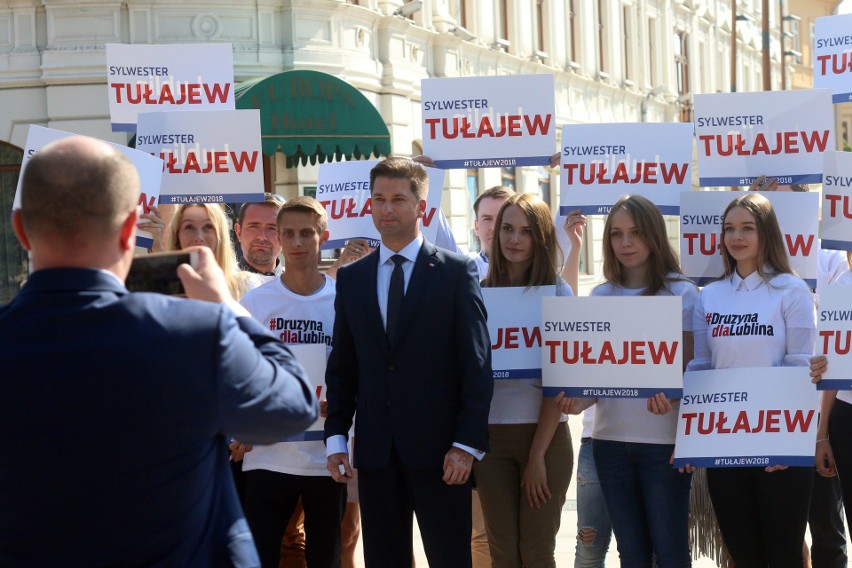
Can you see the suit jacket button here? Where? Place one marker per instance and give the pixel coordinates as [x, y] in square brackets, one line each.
[390, 367]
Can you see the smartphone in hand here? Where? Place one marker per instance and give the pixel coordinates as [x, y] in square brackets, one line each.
[157, 272]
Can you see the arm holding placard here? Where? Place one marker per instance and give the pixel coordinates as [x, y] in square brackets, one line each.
[575, 223]
[354, 249]
[824, 455]
[568, 405]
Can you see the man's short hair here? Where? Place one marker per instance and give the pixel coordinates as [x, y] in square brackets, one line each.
[73, 192]
[269, 200]
[305, 204]
[496, 192]
[402, 168]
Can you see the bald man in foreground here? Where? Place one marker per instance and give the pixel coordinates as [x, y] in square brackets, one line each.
[116, 404]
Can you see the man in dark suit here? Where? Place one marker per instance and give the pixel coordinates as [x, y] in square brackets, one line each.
[411, 355]
[118, 403]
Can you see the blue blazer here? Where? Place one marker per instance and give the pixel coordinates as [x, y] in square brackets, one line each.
[117, 406]
[430, 390]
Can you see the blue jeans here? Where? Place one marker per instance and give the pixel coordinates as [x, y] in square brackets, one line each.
[591, 513]
[648, 501]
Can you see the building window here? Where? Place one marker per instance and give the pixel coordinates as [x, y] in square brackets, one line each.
[503, 20]
[544, 185]
[508, 177]
[796, 41]
[652, 52]
[572, 30]
[627, 53]
[602, 30]
[681, 57]
[539, 25]
[472, 180]
[13, 259]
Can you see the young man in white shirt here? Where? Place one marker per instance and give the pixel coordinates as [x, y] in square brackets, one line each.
[297, 306]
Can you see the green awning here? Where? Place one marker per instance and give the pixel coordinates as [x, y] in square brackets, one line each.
[313, 116]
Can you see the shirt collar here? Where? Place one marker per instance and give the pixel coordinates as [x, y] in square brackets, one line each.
[750, 282]
[409, 251]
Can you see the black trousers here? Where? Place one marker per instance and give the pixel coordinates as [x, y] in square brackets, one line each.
[839, 431]
[825, 520]
[389, 499]
[762, 515]
[271, 498]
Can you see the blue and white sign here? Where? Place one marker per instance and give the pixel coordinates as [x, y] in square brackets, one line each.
[149, 168]
[701, 232]
[782, 134]
[489, 122]
[747, 417]
[837, 201]
[343, 188]
[514, 324]
[161, 77]
[211, 156]
[835, 336]
[602, 162]
[833, 56]
[595, 347]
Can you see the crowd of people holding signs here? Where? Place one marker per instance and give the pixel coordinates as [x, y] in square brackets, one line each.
[731, 358]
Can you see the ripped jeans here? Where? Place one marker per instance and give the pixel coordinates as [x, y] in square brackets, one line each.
[593, 527]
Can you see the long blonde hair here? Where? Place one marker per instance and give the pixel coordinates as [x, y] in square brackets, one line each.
[238, 282]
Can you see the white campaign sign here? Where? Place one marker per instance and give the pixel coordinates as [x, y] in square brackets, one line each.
[514, 324]
[833, 56]
[701, 229]
[209, 156]
[751, 416]
[312, 356]
[602, 162]
[152, 78]
[489, 122]
[835, 336]
[627, 347]
[782, 134]
[837, 201]
[343, 188]
[150, 171]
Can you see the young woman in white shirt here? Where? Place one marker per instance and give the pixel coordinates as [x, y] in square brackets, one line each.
[633, 440]
[762, 512]
[523, 480]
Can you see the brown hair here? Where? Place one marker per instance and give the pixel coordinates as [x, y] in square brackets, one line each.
[770, 242]
[402, 168]
[305, 204]
[269, 200]
[496, 192]
[547, 255]
[662, 260]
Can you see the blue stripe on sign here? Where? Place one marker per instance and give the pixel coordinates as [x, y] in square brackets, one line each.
[745, 461]
[836, 245]
[222, 198]
[144, 242]
[603, 209]
[516, 373]
[841, 98]
[719, 181]
[493, 162]
[611, 392]
[123, 127]
[834, 384]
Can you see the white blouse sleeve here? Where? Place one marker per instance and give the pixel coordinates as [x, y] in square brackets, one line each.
[799, 312]
[701, 360]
